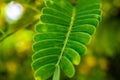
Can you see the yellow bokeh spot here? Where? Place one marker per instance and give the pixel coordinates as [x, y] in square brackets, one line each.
[37, 16]
[91, 61]
[11, 67]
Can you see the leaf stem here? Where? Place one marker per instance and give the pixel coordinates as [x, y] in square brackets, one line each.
[15, 30]
[67, 35]
[33, 8]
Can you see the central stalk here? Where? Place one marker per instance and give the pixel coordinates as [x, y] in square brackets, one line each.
[67, 35]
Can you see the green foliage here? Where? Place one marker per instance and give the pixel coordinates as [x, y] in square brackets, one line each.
[61, 36]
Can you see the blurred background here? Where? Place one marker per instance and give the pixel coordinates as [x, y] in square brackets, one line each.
[17, 22]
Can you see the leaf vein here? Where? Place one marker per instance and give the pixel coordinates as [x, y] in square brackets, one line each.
[67, 35]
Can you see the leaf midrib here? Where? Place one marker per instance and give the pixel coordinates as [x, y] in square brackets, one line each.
[67, 35]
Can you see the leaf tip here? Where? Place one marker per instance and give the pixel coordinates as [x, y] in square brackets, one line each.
[37, 78]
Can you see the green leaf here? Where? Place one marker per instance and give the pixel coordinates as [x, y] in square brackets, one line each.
[45, 72]
[56, 75]
[62, 36]
[72, 55]
[67, 67]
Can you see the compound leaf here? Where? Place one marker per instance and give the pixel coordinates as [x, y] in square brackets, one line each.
[62, 35]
